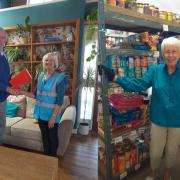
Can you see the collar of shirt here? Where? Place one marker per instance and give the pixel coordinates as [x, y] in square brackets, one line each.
[1, 52]
[177, 65]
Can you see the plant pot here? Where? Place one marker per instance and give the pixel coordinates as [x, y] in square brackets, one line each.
[84, 128]
[23, 40]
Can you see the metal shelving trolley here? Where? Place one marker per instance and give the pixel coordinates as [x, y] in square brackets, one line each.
[124, 133]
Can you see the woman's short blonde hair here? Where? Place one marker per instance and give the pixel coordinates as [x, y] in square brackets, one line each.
[170, 41]
[53, 56]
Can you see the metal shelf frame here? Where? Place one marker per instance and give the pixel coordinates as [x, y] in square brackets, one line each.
[126, 20]
[104, 88]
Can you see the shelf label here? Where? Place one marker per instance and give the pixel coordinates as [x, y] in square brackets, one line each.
[118, 139]
[133, 133]
[123, 175]
[165, 27]
[156, 54]
[137, 166]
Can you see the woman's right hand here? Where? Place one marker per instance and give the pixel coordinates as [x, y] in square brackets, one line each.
[29, 94]
[13, 91]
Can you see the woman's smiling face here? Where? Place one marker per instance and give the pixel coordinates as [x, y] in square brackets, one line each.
[49, 63]
[171, 54]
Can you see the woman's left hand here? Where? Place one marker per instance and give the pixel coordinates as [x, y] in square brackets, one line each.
[51, 122]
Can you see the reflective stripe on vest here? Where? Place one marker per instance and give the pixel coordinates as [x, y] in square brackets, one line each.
[45, 93]
[39, 103]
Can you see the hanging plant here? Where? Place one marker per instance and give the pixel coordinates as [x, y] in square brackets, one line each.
[90, 33]
[91, 20]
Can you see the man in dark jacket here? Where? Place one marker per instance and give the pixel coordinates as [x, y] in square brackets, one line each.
[5, 90]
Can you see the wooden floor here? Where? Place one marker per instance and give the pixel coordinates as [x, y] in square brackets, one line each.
[80, 162]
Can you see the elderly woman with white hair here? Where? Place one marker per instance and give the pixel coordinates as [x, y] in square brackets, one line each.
[165, 104]
[49, 98]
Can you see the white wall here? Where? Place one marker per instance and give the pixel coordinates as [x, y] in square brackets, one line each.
[167, 5]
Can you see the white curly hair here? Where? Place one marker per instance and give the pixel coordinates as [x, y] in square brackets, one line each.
[53, 56]
[170, 41]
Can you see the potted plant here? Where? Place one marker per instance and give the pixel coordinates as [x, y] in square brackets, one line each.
[13, 53]
[86, 82]
[23, 31]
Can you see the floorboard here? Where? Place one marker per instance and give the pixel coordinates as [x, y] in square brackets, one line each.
[80, 162]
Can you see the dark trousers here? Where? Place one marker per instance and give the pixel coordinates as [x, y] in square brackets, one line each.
[49, 138]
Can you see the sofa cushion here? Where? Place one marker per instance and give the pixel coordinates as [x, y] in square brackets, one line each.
[66, 102]
[26, 129]
[30, 107]
[21, 101]
[11, 109]
[10, 122]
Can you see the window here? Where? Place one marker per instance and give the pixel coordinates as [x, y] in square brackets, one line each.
[38, 1]
[87, 94]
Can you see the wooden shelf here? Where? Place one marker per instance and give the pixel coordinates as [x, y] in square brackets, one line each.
[36, 61]
[119, 131]
[128, 20]
[52, 43]
[129, 52]
[33, 53]
[17, 45]
[20, 62]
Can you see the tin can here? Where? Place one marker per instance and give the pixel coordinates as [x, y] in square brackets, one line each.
[144, 61]
[162, 15]
[133, 157]
[121, 72]
[156, 12]
[111, 2]
[138, 72]
[121, 162]
[120, 3]
[137, 62]
[143, 70]
[115, 61]
[146, 8]
[140, 8]
[131, 62]
[169, 16]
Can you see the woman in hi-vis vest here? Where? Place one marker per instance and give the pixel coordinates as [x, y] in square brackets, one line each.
[49, 98]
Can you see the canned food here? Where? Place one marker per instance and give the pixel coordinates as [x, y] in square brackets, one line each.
[111, 2]
[162, 15]
[121, 3]
[137, 62]
[121, 72]
[146, 8]
[138, 72]
[144, 61]
[143, 70]
[156, 12]
[131, 62]
[140, 8]
[169, 16]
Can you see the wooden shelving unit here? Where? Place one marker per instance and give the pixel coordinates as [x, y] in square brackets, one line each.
[35, 45]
